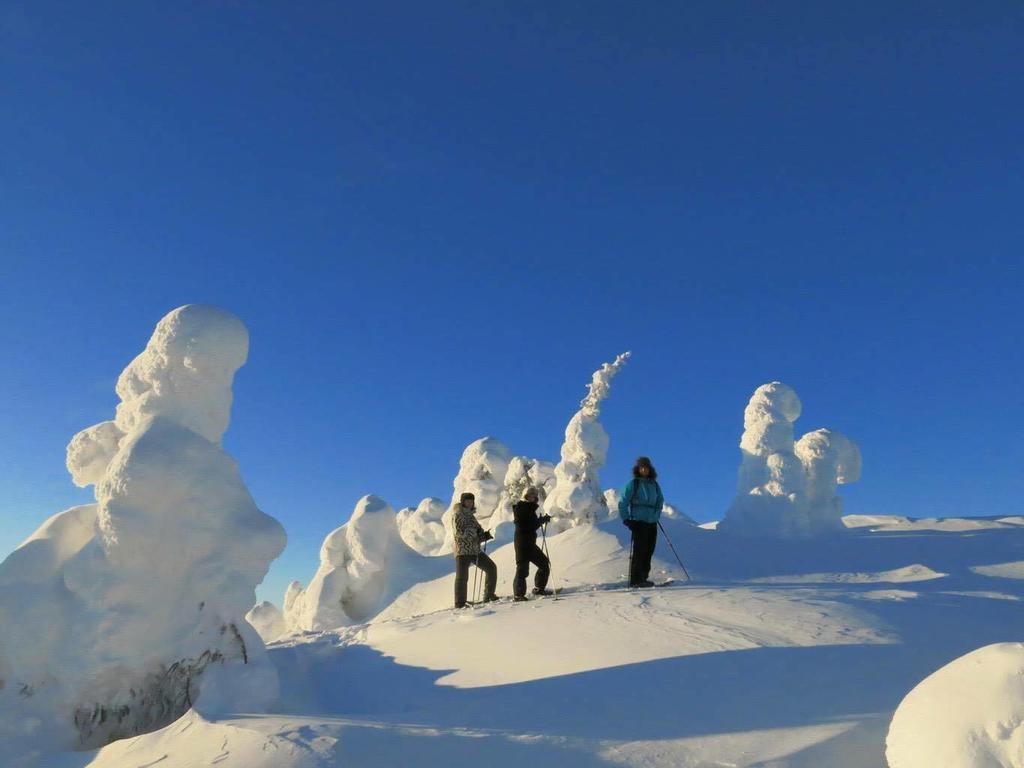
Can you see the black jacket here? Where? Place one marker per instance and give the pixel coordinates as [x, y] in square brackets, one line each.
[527, 522]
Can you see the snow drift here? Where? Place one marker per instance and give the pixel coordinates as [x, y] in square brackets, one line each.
[577, 496]
[116, 616]
[788, 488]
[968, 714]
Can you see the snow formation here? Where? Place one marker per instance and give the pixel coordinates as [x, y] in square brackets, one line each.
[422, 528]
[788, 488]
[577, 497]
[522, 473]
[116, 616]
[482, 471]
[968, 714]
[267, 619]
[356, 562]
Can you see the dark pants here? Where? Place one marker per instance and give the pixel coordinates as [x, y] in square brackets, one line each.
[528, 552]
[645, 536]
[485, 564]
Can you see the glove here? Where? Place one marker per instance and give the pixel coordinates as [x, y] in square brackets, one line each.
[629, 523]
[545, 519]
[486, 536]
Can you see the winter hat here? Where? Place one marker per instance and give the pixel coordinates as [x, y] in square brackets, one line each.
[530, 491]
[466, 496]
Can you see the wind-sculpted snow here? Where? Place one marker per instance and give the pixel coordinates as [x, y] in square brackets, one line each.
[788, 488]
[482, 471]
[968, 714]
[362, 563]
[577, 496]
[115, 616]
[422, 528]
[267, 619]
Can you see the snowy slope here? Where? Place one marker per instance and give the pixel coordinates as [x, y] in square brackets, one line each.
[780, 654]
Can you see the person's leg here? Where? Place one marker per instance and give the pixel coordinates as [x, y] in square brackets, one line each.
[461, 577]
[636, 553]
[522, 569]
[650, 541]
[491, 572]
[539, 559]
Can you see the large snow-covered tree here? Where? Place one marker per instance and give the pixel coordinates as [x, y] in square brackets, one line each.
[577, 496]
[116, 616]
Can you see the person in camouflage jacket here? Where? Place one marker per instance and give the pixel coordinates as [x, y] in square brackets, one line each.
[469, 535]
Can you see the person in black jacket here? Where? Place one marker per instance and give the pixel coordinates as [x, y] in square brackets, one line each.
[527, 551]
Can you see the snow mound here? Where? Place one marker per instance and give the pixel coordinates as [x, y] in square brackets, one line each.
[422, 527]
[906, 574]
[267, 619]
[787, 488]
[873, 521]
[1011, 570]
[115, 617]
[968, 714]
[353, 576]
[577, 497]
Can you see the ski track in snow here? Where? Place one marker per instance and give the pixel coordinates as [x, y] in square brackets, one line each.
[780, 655]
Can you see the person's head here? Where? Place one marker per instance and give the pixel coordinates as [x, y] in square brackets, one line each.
[531, 494]
[644, 468]
[467, 500]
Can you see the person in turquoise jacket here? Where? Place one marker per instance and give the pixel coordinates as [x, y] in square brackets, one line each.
[640, 505]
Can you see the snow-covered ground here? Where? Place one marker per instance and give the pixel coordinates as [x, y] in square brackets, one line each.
[779, 653]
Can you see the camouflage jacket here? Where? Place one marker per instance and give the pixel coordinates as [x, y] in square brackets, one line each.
[466, 530]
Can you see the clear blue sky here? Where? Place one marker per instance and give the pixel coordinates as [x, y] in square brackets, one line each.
[437, 219]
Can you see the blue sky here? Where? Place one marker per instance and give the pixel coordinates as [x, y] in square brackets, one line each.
[437, 219]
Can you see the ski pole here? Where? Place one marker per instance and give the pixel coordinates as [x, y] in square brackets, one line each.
[476, 573]
[483, 549]
[674, 550]
[544, 549]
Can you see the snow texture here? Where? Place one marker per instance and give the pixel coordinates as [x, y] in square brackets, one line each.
[352, 580]
[482, 470]
[267, 619]
[522, 473]
[968, 714]
[422, 528]
[577, 497]
[786, 488]
[116, 616]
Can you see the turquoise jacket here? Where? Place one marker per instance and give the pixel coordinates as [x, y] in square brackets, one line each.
[641, 499]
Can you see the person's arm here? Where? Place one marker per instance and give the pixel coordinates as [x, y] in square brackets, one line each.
[625, 499]
[538, 519]
[659, 503]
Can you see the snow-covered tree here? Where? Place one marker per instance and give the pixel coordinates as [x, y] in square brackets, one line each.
[351, 583]
[577, 497]
[267, 619]
[422, 527]
[116, 616]
[482, 471]
[787, 488]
